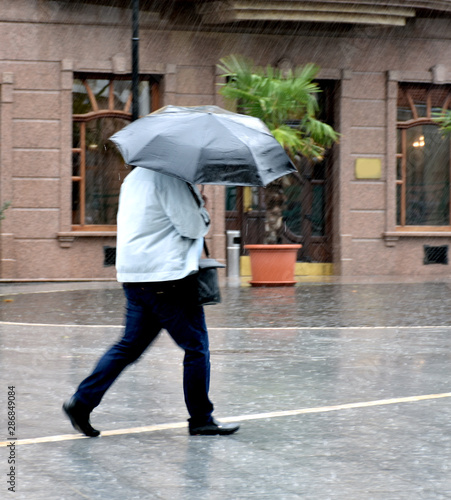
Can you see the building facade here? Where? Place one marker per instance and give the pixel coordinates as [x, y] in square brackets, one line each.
[380, 202]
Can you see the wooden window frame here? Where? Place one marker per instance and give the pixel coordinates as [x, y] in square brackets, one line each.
[96, 113]
[403, 126]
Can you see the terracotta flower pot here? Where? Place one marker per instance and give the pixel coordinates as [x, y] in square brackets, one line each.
[273, 265]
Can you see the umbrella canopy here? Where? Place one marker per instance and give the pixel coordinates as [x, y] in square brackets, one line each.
[204, 145]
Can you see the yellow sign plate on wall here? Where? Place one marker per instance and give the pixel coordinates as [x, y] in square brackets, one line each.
[368, 168]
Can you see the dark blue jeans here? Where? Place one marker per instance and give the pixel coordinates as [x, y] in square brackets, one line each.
[150, 308]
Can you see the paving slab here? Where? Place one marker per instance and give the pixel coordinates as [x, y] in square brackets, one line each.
[342, 388]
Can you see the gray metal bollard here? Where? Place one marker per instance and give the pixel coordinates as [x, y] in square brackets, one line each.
[233, 253]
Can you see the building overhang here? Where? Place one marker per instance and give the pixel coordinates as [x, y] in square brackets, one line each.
[230, 11]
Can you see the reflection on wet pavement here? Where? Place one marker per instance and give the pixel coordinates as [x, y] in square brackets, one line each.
[308, 305]
[328, 380]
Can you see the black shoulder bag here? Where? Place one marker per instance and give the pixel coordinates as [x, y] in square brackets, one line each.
[207, 277]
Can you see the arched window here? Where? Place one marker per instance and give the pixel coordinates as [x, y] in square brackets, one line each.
[101, 107]
[423, 157]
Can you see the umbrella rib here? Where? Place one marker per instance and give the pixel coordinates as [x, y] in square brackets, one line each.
[223, 124]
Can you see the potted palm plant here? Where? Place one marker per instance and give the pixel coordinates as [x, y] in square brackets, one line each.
[286, 102]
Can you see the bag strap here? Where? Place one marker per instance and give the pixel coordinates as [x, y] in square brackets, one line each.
[196, 198]
[207, 252]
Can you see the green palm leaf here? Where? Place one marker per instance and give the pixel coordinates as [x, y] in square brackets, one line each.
[443, 119]
[285, 102]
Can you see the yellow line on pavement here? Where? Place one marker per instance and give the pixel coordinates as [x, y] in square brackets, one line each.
[347, 406]
[241, 418]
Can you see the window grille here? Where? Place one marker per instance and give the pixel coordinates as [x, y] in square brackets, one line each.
[101, 107]
[423, 157]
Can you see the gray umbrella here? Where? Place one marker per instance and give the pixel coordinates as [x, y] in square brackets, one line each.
[204, 145]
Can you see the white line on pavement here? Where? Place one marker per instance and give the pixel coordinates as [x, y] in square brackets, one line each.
[221, 328]
[241, 418]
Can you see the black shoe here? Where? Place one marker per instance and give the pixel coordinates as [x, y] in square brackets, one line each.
[213, 428]
[79, 417]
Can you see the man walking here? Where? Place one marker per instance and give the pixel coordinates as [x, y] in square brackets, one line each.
[160, 230]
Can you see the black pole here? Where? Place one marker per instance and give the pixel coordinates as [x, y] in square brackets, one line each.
[135, 60]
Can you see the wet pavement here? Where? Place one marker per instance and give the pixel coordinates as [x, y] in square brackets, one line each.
[342, 387]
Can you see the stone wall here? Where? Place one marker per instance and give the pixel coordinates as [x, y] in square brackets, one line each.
[43, 43]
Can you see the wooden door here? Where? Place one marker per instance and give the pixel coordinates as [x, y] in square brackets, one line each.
[307, 214]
